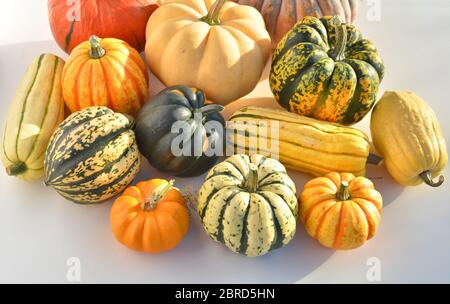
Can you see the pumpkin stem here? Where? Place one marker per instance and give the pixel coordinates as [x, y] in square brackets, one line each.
[210, 109]
[16, 169]
[157, 195]
[338, 54]
[96, 51]
[426, 177]
[252, 179]
[374, 159]
[212, 18]
[343, 194]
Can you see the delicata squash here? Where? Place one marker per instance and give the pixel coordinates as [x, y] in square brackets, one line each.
[407, 134]
[34, 114]
[303, 144]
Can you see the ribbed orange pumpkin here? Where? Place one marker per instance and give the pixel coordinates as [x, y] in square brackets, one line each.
[72, 22]
[105, 72]
[341, 211]
[150, 217]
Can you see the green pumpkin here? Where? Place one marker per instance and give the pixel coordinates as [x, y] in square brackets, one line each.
[323, 68]
[249, 204]
[155, 134]
[92, 156]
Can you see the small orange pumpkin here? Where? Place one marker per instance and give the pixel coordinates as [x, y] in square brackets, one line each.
[150, 217]
[105, 72]
[341, 211]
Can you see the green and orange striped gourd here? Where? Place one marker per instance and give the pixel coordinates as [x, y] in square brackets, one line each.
[325, 69]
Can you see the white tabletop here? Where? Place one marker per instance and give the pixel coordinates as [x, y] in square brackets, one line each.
[39, 231]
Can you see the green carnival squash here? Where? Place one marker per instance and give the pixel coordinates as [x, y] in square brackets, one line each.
[178, 133]
[324, 68]
[92, 156]
[35, 111]
[249, 204]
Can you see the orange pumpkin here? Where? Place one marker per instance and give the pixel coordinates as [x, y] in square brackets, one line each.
[105, 72]
[72, 22]
[150, 217]
[341, 211]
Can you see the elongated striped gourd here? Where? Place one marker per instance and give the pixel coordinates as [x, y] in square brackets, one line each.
[249, 204]
[35, 112]
[92, 156]
[304, 144]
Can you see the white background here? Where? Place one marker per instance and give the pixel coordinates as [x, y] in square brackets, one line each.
[39, 231]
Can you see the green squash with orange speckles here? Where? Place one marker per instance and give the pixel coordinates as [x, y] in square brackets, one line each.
[92, 156]
[324, 68]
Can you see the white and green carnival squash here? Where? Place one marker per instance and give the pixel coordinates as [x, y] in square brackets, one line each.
[249, 204]
[92, 156]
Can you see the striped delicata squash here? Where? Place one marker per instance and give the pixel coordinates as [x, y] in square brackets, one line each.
[35, 112]
[92, 156]
[301, 143]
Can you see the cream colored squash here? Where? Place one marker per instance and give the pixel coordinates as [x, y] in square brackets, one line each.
[35, 112]
[408, 136]
[220, 48]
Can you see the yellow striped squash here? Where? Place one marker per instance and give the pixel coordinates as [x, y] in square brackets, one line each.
[92, 156]
[34, 114]
[304, 144]
[249, 204]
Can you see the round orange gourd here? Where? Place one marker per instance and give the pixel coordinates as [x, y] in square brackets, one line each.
[150, 217]
[341, 211]
[105, 72]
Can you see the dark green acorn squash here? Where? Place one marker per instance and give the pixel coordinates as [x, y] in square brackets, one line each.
[158, 133]
[323, 68]
[92, 156]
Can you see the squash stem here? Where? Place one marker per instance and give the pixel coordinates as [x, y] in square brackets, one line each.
[211, 108]
[157, 195]
[338, 54]
[252, 179]
[426, 177]
[343, 194]
[212, 18]
[96, 51]
[374, 159]
[16, 169]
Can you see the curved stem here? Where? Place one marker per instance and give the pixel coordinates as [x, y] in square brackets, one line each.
[158, 194]
[338, 54]
[374, 159]
[252, 179]
[343, 194]
[16, 169]
[426, 177]
[96, 51]
[211, 108]
[212, 18]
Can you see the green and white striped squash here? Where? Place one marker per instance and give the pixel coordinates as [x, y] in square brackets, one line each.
[35, 112]
[249, 204]
[93, 156]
